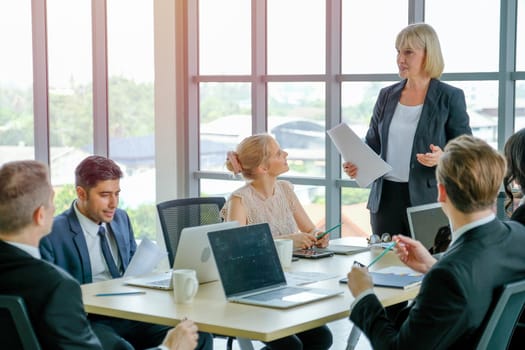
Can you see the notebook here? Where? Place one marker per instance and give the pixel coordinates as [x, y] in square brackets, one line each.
[400, 277]
[193, 252]
[250, 270]
[425, 221]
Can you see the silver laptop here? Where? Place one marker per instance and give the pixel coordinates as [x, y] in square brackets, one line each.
[425, 221]
[250, 271]
[193, 252]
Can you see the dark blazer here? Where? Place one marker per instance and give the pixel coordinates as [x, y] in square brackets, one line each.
[66, 245]
[519, 214]
[455, 294]
[443, 117]
[53, 300]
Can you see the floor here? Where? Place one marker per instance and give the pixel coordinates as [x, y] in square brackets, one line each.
[340, 330]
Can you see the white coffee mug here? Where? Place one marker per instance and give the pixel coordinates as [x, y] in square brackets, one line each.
[284, 250]
[185, 285]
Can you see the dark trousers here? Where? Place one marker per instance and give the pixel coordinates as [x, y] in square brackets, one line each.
[391, 216]
[121, 334]
[319, 338]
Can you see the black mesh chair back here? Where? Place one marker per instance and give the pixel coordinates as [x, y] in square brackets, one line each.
[177, 214]
[16, 331]
[504, 320]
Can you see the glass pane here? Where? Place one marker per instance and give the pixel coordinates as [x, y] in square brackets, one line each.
[482, 108]
[354, 214]
[70, 90]
[448, 19]
[16, 82]
[357, 104]
[296, 118]
[219, 188]
[520, 37]
[296, 36]
[313, 200]
[225, 119]
[131, 108]
[225, 37]
[366, 46]
[520, 106]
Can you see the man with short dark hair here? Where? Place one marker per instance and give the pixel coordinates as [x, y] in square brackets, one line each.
[94, 241]
[457, 291]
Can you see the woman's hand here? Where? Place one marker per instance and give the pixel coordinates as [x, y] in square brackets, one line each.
[431, 158]
[301, 240]
[350, 169]
[323, 241]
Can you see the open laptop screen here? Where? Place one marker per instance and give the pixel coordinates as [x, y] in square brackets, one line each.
[246, 258]
[425, 222]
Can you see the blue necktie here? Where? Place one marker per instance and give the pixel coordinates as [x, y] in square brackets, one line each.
[113, 270]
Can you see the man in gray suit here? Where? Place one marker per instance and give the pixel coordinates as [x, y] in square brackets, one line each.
[457, 291]
[52, 297]
[94, 241]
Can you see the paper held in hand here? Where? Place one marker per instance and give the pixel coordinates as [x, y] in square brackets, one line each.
[353, 149]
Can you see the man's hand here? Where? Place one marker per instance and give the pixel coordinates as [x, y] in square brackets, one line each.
[182, 337]
[413, 254]
[350, 169]
[359, 280]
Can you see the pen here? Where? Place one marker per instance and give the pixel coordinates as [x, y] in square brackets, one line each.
[392, 245]
[118, 293]
[322, 234]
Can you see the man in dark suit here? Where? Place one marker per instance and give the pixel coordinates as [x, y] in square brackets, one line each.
[52, 297]
[457, 291]
[94, 241]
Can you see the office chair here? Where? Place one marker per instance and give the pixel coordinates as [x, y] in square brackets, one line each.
[177, 214]
[503, 319]
[16, 330]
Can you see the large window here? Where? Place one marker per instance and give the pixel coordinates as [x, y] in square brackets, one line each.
[16, 81]
[319, 63]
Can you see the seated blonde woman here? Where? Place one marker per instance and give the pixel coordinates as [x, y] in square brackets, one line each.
[265, 199]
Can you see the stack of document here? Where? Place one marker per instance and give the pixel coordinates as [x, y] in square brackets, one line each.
[396, 277]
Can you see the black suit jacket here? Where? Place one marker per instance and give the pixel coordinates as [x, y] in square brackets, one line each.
[455, 294]
[443, 117]
[53, 300]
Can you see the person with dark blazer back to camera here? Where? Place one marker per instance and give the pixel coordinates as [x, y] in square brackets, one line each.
[94, 241]
[411, 122]
[51, 296]
[458, 290]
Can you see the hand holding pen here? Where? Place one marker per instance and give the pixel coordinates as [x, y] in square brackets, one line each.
[321, 237]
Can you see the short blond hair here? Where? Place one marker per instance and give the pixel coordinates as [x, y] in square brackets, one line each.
[251, 152]
[423, 36]
[472, 172]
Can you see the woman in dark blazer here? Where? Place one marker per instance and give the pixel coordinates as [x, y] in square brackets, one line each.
[412, 121]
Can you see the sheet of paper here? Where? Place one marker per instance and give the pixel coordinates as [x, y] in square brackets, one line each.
[146, 258]
[353, 149]
[399, 270]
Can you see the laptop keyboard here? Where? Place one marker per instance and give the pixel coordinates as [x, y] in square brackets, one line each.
[276, 294]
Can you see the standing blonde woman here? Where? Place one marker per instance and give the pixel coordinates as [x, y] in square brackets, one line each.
[264, 198]
[411, 123]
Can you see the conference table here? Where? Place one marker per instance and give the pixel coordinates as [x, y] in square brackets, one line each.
[212, 313]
